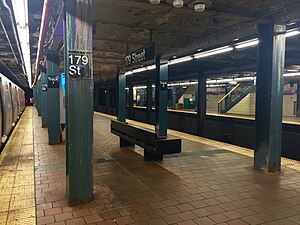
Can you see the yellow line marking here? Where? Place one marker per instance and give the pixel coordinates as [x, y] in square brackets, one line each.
[290, 163]
[7, 145]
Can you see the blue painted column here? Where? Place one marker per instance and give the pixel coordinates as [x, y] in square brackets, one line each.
[161, 97]
[269, 97]
[201, 104]
[44, 97]
[149, 101]
[53, 101]
[298, 99]
[79, 99]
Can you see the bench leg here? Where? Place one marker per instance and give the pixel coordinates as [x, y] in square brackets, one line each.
[149, 156]
[124, 143]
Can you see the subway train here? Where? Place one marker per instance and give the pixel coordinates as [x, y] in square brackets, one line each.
[12, 104]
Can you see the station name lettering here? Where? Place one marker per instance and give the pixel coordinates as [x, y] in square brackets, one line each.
[135, 58]
[76, 62]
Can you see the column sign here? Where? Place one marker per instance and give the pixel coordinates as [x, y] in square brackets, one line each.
[80, 64]
[140, 56]
[53, 81]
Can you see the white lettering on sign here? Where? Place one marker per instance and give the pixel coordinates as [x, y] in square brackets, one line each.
[135, 58]
[79, 64]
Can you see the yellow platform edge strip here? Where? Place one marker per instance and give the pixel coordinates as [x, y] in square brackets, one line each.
[7, 145]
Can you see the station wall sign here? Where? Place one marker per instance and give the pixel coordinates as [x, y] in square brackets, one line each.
[140, 56]
[80, 64]
[53, 81]
[44, 87]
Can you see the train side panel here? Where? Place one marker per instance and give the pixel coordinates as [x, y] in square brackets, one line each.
[7, 107]
[14, 100]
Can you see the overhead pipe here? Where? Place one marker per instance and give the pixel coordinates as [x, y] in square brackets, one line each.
[47, 12]
[15, 34]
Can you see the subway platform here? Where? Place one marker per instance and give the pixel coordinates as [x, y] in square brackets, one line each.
[208, 183]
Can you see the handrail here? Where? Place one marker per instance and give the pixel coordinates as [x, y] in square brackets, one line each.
[225, 96]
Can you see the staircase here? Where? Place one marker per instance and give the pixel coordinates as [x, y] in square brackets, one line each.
[235, 95]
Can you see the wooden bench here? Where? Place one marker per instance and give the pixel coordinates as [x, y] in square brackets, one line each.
[154, 147]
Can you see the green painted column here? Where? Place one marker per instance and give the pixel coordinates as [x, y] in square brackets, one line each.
[53, 101]
[161, 97]
[269, 97]
[174, 91]
[38, 92]
[44, 97]
[196, 98]
[79, 99]
[107, 99]
[201, 105]
[122, 97]
[298, 99]
[149, 101]
[130, 101]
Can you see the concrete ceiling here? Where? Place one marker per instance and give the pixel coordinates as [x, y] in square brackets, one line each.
[121, 26]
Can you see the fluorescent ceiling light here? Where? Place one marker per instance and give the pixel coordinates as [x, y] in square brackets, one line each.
[128, 73]
[291, 74]
[20, 8]
[152, 67]
[249, 43]
[213, 52]
[292, 33]
[180, 60]
[142, 69]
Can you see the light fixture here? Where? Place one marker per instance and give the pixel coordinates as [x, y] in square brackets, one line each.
[154, 2]
[291, 74]
[128, 73]
[178, 3]
[142, 69]
[20, 9]
[180, 60]
[249, 43]
[213, 52]
[200, 5]
[151, 67]
[292, 33]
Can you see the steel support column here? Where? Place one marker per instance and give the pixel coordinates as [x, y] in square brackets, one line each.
[39, 90]
[201, 104]
[44, 97]
[149, 101]
[79, 99]
[130, 101]
[161, 97]
[122, 97]
[53, 102]
[173, 97]
[298, 99]
[107, 99]
[269, 97]
[196, 98]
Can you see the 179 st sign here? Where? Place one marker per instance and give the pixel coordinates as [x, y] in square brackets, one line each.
[140, 56]
[80, 64]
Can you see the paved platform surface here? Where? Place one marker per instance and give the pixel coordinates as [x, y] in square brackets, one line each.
[209, 183]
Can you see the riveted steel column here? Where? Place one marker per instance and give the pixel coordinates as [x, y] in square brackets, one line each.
[269, 99]
[149, 101]
[39, 90]
[196, 98]
[44, 97]
[79, 99]
[53, 101]
[122, 97]
[201, 105]
[161, 97]
[130, 101]
[298, 99]
[107, 99]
